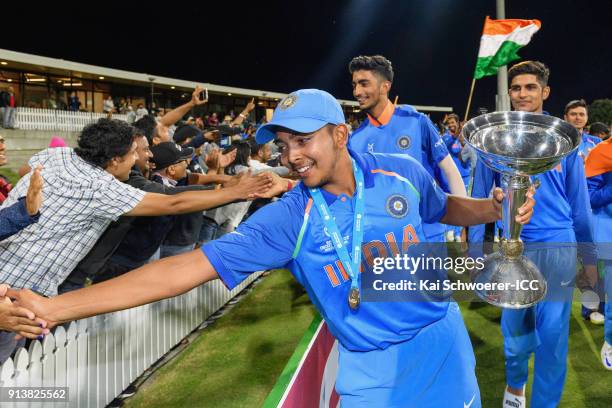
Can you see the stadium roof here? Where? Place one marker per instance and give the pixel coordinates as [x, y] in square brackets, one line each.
[24, 61]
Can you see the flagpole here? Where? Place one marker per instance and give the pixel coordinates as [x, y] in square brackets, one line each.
[467, 110]
[395, 101]
[503, 101]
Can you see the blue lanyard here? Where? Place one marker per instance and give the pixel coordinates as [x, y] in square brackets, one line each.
[351, 265]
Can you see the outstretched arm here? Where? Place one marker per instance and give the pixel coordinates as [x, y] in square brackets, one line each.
[248, 187]
[161, 279]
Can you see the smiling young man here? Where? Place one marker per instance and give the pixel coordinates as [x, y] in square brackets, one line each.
[562, 218]
[400, 130]
[576, 113]
[353, 199]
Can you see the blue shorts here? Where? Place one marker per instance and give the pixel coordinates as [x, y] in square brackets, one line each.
[433, 369]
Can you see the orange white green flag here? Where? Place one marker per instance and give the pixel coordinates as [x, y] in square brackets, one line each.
[500, 41]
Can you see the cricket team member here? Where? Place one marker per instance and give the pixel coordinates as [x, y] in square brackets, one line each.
[455, 144]
[577, 114]
[401, 129]
[563, 217]
[598, 169]
[402, 354]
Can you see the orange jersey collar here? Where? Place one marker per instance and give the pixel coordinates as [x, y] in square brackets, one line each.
[385, 117]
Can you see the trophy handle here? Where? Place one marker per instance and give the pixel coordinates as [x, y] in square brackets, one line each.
[514, 187]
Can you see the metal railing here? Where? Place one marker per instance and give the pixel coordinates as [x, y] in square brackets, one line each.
[98, 357]
[60, 120]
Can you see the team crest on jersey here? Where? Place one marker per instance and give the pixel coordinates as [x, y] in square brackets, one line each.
[288, 102]
[371, 147]
[403, 142]
[397, 206]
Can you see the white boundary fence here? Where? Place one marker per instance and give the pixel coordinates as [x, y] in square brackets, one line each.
[98, 357]
[61, 120]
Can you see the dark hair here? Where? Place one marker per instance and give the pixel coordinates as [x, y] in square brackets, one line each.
[243, 155]
[103, 140]
[452, 116]
[255, 147]
[537, 68]
[577, 103]
[147, 125]
[376, 63]
[599, 127]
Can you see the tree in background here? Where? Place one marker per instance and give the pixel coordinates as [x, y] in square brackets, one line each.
[601, 111]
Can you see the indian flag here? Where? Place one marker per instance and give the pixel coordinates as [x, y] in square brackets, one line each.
[500, 41]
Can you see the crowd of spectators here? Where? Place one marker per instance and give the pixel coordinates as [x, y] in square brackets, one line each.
[128, 194]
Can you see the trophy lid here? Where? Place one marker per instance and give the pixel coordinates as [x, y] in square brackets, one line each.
[520, 143]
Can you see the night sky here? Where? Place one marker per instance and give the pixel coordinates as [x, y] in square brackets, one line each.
[282, 45]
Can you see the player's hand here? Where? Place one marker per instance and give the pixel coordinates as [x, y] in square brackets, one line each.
[250, 187]
[279, 186]
[19, 319]
[524, 213]
[34, 197]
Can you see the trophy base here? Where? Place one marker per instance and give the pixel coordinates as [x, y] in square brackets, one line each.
[513, 283]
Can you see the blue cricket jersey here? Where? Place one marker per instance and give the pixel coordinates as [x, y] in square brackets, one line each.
[454, 148]
[600, 192]
[587, 144]
[290, 234]
[403, 130]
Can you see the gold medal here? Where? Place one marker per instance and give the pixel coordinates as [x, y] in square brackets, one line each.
[353, 299]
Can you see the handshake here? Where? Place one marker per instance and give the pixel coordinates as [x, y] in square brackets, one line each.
[20, 312]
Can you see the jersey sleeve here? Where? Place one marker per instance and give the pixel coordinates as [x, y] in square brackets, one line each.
[15, 218]
[481, 187]
[600, 194]
[578, 197]
[265, 241]
[432, 144]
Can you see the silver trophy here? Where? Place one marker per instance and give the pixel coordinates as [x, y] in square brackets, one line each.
[517, 145]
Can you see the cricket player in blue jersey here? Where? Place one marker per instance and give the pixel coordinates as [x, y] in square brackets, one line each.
[598, 169]
[391, 354]
[454, 143]
[576, 112]
[400, 130]
[562, 218]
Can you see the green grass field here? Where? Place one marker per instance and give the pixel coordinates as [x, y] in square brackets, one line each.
[12, 176]
[236, 361]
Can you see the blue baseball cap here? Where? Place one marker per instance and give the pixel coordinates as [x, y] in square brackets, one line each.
[303, 111]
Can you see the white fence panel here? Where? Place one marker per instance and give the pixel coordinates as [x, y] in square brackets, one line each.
[60, 120]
